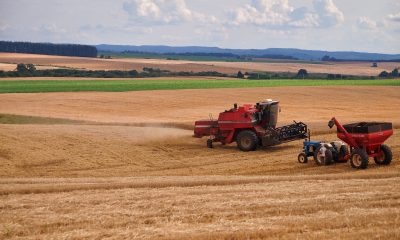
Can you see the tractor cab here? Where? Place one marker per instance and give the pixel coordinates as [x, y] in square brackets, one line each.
[267, 113]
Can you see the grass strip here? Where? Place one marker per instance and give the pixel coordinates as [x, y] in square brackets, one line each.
[37, 86]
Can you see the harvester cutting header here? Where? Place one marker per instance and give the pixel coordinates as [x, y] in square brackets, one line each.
[250, 126]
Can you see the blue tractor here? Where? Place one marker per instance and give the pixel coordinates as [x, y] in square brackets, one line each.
[322, 152]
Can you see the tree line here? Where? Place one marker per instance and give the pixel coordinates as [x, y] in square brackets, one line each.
[29, 70]
[301, 74]
[327, 58]
[247, 57]
[75, 50]
[392, 74]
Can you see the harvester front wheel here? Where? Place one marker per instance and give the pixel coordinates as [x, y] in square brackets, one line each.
[386, 156]
[359, 159]
[327, 160]
[302, 158]
[247, 141]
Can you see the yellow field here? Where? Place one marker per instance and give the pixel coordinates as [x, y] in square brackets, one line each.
[9, 61]
[129, 169]
[351, 206]
[187, 106]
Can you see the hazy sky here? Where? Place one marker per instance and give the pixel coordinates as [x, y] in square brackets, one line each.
[357, 25]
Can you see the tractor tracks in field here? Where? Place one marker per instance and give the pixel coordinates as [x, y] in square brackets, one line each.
[27, 119]
[35, 120]
[46, 186]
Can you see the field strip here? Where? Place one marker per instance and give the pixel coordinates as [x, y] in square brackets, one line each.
[302, 209]
[40, 186]
[186, 78]
[27, 119]
[40, 86]
[127, 64]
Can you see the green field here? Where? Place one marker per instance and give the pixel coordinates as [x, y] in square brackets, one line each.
[35, 86]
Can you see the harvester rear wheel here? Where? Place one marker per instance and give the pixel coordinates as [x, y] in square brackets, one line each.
[359, 159]
[386, 157]
[319, 160]
[247, 141]
[302, 158]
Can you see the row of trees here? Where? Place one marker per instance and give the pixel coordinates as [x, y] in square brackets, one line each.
[246, 57]
[393, 74]
[105, 56]
[301, 74]
[49, 49]
[327, 58]
[29, 70]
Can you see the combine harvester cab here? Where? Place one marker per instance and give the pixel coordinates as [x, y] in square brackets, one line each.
[250, 126]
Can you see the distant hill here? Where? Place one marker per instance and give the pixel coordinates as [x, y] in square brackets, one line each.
[289, 52]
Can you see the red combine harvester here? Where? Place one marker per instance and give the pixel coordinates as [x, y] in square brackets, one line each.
[365, 140]
[250, 126]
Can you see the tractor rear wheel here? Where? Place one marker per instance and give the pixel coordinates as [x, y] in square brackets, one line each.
[386, 156]
[327, 160]
[247, 141]
[359, 158]
[302, 158]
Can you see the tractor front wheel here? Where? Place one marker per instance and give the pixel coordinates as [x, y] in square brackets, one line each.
[247, 141]
[359, 159]
[302, 158]
[386, 156]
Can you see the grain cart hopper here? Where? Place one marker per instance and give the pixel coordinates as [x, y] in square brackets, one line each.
[250, 126]
[365, 140]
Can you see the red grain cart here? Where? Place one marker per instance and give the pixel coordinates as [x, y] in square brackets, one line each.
[366, 139]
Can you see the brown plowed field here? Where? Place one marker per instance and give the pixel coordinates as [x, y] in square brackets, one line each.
[354, 68]
[113, 176]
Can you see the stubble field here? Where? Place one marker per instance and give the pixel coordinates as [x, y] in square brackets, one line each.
[124, 165]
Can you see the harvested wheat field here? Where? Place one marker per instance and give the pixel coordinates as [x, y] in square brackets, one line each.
[7, 67]
[186, 106]
[45, 61]
[124, 166]
[110, 64]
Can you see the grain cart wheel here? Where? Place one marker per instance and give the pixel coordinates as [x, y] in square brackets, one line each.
[328, 157]
[210, 143]
[302, 158]
[319, 160]
[359, 158]
[344, 151]
[386, 157]
[247, 141]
